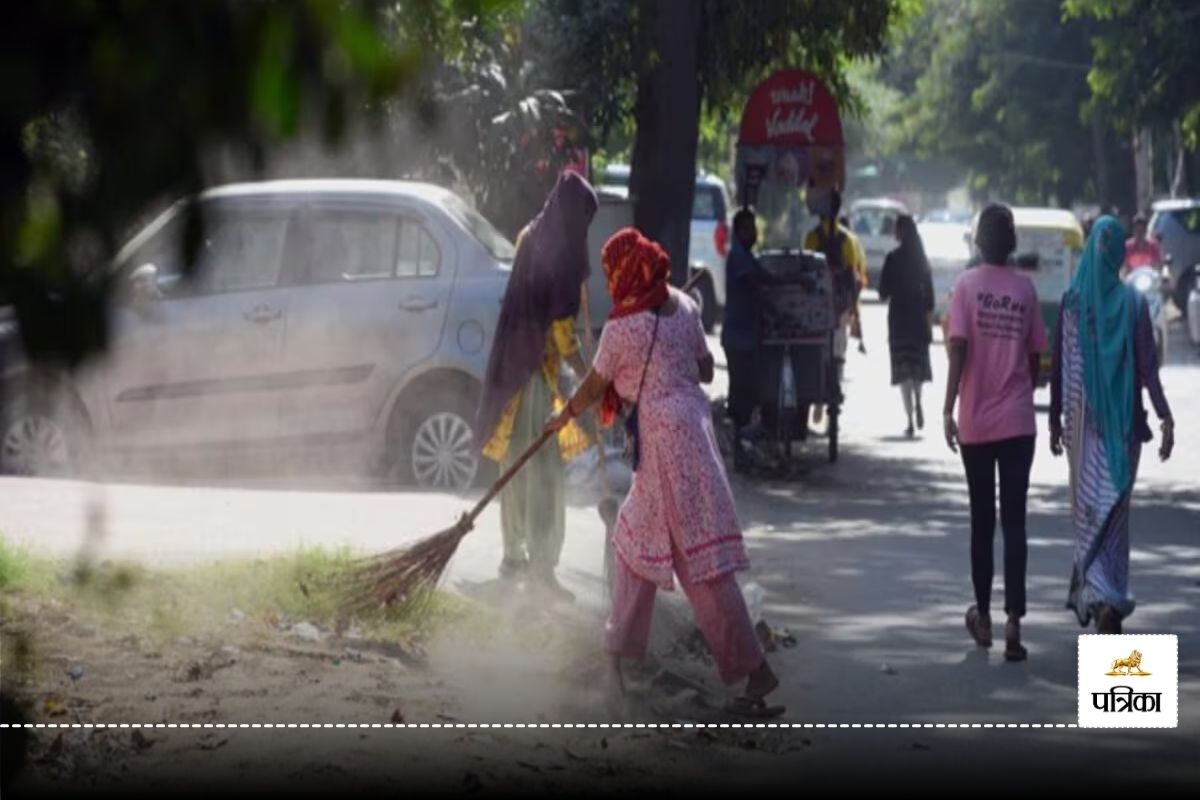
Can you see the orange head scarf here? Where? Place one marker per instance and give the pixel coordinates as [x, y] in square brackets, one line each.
[638, 273]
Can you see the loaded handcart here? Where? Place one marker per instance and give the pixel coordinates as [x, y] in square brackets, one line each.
[790, 151]
[796, 339]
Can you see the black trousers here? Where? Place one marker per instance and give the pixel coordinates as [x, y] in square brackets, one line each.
[743, 386]
[1014, 459]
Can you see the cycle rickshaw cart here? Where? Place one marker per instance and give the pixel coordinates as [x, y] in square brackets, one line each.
[789, 153]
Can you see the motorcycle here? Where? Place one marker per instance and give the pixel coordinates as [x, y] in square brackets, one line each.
[1149, 281]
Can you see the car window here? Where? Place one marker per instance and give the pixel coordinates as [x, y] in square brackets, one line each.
[873, 221]
[242, 252]
[164, 250]
[347, 247]
[706, 203]
[417, 255]
[477, 225]
[1188, 219]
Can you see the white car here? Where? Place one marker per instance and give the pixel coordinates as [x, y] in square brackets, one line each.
[874, 223]
[330, 316]
[947, 246]
[709, 241]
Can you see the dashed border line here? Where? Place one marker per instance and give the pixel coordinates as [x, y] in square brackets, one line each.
[542, 725]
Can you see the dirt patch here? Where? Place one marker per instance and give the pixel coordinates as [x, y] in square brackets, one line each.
[532, 662]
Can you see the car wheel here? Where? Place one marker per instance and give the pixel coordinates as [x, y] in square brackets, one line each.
[437, 449]
[1183, 289]
[43, 437]
[704, 297]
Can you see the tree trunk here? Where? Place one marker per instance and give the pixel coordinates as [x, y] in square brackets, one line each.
[1179, 172]
[1103, 189]
[1143, 166]
[667, 115]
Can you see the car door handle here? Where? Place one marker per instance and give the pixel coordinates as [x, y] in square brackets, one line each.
[417, 304]
[261, 315]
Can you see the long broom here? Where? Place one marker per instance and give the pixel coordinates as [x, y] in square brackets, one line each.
[408, 574]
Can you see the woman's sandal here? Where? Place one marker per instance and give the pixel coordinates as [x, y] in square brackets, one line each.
[1013, 649]
[980, 631]
[1108, 620]
[745, 705]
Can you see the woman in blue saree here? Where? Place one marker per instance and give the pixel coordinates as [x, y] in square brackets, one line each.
[1104, 356]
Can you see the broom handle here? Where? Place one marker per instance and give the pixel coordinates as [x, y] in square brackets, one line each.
[589, 344]
[503, 480]
[533, 447]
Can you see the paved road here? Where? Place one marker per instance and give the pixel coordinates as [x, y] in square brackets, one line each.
[865, 560]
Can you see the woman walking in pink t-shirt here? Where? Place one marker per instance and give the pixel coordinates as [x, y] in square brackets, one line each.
[996, 340]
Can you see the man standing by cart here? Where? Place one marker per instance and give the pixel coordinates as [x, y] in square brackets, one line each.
[847, 261]
[739, 338]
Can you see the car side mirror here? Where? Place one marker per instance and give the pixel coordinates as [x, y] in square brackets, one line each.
[144, 289]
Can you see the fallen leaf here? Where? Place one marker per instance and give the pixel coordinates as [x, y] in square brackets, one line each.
[214, 744]
[54, 706]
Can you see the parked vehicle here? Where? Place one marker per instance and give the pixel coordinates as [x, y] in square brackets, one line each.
[1193, 315]
[1176, 225]
[1049, 244]
[961, 216]
[948, 248]
[873, 221]
[1151, 283]
[322, 314]
[709, 241]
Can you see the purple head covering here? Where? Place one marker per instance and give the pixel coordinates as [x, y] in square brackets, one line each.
[550, 267]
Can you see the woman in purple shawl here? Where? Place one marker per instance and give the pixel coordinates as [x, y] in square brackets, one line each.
[535, 334]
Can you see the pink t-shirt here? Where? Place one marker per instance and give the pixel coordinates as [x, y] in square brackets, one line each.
[996, 310]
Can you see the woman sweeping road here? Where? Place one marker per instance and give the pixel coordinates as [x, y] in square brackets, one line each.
[679, 517]
[906, 285]
[1104, 356]
[535, 333]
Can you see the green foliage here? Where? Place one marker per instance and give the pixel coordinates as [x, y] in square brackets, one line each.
[107, 107]
[1000, 87]
[305, 585]
[1144, 72]
[503, 125]
[601, 47]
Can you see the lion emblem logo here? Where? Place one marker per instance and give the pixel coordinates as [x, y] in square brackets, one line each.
[1127, 666]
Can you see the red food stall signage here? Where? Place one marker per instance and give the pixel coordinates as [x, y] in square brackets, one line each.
[791, 108]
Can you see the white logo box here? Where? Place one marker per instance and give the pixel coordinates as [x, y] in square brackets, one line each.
[1145, 696]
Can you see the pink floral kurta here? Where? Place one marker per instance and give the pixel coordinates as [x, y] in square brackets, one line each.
[680, 491]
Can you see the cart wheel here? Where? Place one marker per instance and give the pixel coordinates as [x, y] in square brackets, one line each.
[834, 413]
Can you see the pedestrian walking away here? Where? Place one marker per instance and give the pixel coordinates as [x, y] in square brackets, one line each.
[906, 285]
[679, 518]
[1104, 356]
[996, 340]
[535, 334]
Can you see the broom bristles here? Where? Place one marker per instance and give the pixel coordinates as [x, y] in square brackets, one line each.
[406, 574]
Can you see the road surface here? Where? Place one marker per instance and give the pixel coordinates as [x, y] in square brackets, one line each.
[865, 561]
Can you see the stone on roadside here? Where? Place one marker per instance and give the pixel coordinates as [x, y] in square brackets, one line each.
[306, 631]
